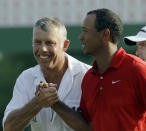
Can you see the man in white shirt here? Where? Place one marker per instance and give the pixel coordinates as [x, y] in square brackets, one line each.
[54, 67]
[140, 41]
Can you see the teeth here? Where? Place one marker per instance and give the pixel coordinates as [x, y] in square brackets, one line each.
[43, 57]
[83, 45]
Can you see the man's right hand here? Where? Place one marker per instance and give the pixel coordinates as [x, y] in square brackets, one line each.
[46, 94]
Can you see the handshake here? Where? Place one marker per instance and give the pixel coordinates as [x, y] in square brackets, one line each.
[46, 94]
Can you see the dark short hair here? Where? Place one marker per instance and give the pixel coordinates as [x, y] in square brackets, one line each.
[106, 19]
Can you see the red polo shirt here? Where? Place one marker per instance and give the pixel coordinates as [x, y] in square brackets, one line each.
[116, 99]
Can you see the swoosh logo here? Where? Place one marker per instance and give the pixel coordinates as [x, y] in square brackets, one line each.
[114, 82]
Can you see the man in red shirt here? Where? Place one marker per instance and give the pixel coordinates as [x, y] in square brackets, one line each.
[114, 89]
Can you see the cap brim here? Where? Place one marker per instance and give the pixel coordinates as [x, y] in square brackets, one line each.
[131, 40]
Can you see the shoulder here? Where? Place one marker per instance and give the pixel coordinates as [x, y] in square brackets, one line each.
[136, 65]
[89, 76]
[84, 65]
[89, 72]
[77, 65]
[29, 73]
[135, 61]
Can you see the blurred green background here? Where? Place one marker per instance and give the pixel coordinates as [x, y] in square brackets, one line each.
[16, 55]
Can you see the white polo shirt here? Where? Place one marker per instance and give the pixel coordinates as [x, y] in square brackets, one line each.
[69, 92]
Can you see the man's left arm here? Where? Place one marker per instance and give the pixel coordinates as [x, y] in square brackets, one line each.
[73, 118]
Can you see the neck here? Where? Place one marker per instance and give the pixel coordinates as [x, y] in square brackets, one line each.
[105, 57]
[54, 75]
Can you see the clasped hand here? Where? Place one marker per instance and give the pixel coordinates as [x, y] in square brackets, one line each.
[46, 94]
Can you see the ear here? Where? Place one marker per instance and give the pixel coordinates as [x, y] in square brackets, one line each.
[106, 34]
[66, 45]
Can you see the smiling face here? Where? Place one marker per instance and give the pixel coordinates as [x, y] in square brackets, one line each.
[47, 47]
[141, 50]
[91, 40]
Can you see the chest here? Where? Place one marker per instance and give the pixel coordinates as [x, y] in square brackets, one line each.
[105, 92]
[111, 91]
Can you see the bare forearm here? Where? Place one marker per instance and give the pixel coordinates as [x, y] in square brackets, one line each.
[74, 119]
[18, 119]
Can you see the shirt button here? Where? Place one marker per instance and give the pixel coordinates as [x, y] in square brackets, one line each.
[101, 77]
[101, 88]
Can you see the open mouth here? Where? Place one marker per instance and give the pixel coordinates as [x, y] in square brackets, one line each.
[83, 44]
[44, 57]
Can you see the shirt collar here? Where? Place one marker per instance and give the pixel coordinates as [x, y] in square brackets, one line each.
[73, 65]
[116, 61]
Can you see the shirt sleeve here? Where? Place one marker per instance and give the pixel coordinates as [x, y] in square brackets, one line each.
[19, 98]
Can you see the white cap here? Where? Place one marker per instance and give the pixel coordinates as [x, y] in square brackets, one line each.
[141, 36]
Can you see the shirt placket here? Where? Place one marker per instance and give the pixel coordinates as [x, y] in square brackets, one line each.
[100, 84]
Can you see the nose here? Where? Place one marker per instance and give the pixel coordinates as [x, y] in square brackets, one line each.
[44, 47]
